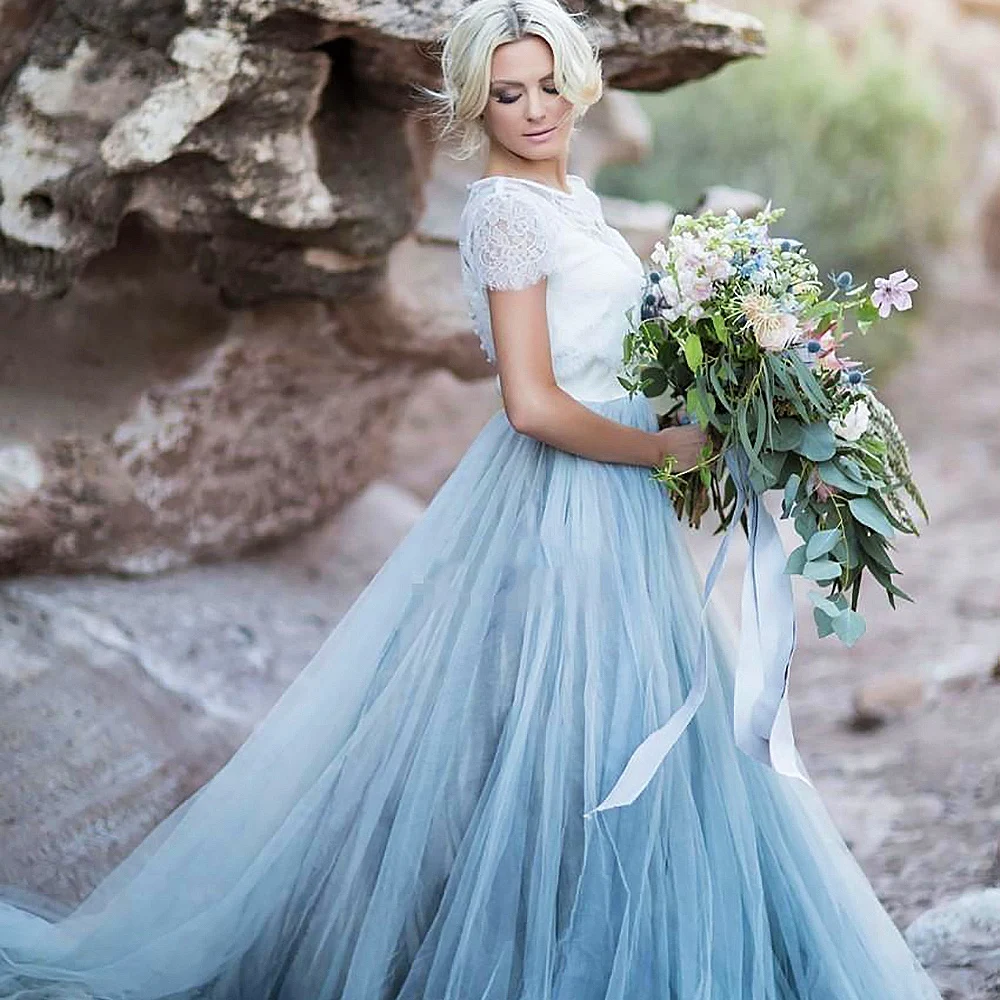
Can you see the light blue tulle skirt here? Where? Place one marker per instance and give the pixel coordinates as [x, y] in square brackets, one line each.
[407, 822]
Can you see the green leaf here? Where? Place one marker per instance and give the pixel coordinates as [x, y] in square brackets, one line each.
[850, 468]
[884, 579]
[796, 561]
[791, 492]
[824, 623]
[810, 386]
[867, 311]
[847, 551]
[868, 513]
[693, 352]
[717, 388]
[656, 380]
[787, 436]
[792, 394]
[752, 456]
[818, 443]
[822, 569]
[822, 542]
[720, 329]
[805, 524]
[874, 547]
[826, 307]
[760, 481]
[832, 476]
[829, 608]
[849, 626]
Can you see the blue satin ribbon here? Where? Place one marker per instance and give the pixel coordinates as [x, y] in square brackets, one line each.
[762, 725]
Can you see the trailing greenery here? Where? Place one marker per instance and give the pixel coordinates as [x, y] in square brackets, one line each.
[735, 325]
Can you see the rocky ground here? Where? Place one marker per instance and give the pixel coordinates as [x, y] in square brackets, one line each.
[118, 697]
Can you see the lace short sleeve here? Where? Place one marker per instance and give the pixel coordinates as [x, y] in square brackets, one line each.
[508, 241]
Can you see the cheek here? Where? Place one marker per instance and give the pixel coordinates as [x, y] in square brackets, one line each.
[502, 119]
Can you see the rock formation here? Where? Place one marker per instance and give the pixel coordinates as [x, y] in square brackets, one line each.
[202, 350]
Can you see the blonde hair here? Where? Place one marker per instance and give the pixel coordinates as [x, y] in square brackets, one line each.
[467, 56]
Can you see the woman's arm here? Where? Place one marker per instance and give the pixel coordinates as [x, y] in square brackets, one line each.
[536, 406]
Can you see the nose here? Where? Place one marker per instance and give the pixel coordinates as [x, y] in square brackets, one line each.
[534, 106]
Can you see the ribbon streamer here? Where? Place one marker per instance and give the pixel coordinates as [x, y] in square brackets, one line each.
[762, 725]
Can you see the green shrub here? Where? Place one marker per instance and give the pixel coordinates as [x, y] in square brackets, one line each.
[857, 150]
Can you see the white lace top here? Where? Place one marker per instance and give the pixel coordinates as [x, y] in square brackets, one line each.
[513, 232]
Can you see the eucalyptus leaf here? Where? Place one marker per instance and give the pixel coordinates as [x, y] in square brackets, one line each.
[787, 435]
[869, 513]
[824, 623]
[850, 468]
[818, 443]
[821, 569]
[828, 607]
[791, 492]
[774, 462]
[796, 561]
[761, 481]
[832, 476]
[822, 542]
[849, 626]
[805, 524]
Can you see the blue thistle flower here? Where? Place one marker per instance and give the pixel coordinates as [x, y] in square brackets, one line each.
[654, 276]
[844, 280]
[814, 346]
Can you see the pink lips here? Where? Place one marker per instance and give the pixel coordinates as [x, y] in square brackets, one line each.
[536, 136]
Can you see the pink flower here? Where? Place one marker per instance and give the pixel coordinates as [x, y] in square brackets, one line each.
[826, 357]
[893, 292]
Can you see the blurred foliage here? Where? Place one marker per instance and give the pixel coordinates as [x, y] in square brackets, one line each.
[856, 149]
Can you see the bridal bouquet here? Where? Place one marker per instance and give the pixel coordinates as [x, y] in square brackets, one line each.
[736, 327]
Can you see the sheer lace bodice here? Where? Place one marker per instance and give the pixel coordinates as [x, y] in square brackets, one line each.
[513, 232]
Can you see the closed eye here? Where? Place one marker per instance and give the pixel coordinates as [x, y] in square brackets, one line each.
[511, 98]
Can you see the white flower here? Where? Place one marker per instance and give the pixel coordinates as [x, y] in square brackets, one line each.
[774, 329]
[701, 289]
[717, 268]
[854, 423]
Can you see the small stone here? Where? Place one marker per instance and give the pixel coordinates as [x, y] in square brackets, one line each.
[883, 698]
[962, 933]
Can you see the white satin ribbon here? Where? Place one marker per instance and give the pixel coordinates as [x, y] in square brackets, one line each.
[762, 725]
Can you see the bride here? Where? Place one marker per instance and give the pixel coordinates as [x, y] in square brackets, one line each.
[423, 815]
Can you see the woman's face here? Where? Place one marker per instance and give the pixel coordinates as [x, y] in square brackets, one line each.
[524, 112]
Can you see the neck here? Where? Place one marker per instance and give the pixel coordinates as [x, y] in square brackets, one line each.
[551, 172]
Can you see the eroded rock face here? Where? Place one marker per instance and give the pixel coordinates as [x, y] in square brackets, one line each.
[198, 202]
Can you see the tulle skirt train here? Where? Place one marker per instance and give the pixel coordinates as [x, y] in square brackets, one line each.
[407, 822]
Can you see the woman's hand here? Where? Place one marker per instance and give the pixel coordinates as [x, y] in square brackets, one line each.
[684, 442]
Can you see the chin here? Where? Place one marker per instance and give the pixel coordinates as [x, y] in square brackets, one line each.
[553, 149]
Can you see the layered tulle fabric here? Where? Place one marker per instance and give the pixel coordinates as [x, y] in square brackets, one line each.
[407, 823]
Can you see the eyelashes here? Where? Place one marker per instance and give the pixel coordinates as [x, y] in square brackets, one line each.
[511, 98]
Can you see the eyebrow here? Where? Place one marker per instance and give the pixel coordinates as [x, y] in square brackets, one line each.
[518, 83]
